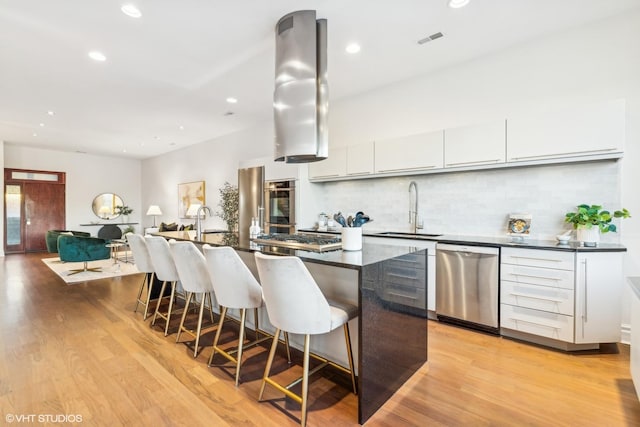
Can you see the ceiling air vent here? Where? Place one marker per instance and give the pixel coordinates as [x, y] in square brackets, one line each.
[430, 38]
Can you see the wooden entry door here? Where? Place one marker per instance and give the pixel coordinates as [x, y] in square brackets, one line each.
[34, 204]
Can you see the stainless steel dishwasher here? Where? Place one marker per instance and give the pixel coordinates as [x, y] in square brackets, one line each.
[467, 285]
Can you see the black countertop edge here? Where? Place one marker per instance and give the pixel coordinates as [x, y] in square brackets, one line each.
[371, 253]
[512, 242]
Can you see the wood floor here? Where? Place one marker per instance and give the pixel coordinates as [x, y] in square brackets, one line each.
[79, 350]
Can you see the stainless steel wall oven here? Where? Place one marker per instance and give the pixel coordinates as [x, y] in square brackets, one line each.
[280, 204]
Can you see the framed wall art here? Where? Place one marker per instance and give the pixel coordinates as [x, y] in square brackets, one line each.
[190, 193]
[519, 225]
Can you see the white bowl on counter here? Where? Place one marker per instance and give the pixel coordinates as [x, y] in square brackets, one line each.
[563, 238]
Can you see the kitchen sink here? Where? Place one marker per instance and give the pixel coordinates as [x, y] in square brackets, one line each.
[403, 234]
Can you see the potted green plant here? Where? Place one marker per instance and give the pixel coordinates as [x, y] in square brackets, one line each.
[230, 204]
[125, 211]
[591, 220]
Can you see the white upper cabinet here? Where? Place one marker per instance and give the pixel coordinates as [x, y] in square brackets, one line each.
[423, 151]
[482, 144]
[360, 159]
[280, 171]
[334, 166]
[588, 130]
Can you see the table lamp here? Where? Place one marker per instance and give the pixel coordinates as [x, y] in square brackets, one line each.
[192, 211]
[154, 210]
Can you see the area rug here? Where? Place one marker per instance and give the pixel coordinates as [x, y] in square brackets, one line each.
[109, 269]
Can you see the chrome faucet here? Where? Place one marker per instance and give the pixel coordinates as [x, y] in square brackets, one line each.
[413, 208]
[199, 218]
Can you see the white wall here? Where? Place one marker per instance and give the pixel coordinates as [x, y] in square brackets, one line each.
[86, 177]
[213, 162]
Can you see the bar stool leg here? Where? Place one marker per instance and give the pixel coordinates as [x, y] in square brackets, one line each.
[305, 380]
[184, 315]
[255, 323]
[144, 280]
[155, 315]
[173, 294]
[199, 327]
[243, 316]
[347, 338]
[149, 288]
[286, 343]
[267, 368]
[223, 314]
[210, 307]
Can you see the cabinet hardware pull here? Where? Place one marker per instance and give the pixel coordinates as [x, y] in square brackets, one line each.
[358, 173]
[417, 168]
[325, 176]
[586, 292]
[536, 259]
[401, 295]
[568, 153]
[534, 297]
[537, 277]
[402, 276]
[537, 324]
[477, 162]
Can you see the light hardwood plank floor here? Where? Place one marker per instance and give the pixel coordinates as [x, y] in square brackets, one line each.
[80, 350]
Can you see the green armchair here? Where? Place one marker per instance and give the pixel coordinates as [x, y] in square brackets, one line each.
[82, 249]
[52, 238]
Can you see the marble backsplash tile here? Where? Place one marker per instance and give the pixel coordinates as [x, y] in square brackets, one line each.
[479, 202]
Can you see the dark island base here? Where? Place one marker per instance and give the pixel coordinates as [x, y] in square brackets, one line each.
[393, 346]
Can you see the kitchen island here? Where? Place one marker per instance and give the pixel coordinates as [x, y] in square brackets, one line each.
[387, 283]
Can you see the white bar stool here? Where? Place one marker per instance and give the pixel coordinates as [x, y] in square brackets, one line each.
[165, 269]
[235, 288]
[195, 280]
[295, 304]
[142, 261]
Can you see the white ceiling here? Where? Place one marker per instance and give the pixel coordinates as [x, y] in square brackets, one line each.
[176, 65]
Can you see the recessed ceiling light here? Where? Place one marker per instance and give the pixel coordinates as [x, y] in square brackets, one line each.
[231, 100]
[51, 113]
[457, 4]
[41, 125]
[181, 127]
[131, 10]
[353, 48]
[97, 56]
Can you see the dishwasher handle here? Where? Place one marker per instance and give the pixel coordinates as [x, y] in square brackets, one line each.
[486, 250]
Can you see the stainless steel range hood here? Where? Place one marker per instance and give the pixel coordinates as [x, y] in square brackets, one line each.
[301, 96]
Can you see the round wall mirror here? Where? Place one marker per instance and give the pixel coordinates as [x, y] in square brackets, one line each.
[104, 205]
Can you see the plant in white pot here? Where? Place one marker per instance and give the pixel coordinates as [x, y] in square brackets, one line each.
[591, 220]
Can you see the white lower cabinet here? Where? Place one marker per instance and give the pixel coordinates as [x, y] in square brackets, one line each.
[537, 322]
[599, 278]
[561, 296]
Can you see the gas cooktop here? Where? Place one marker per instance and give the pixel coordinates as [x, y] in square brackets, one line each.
[308, 242]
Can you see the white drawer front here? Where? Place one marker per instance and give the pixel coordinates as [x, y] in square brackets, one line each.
[541, 323]
[538, 258]
[554, 300]
[537, 276]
